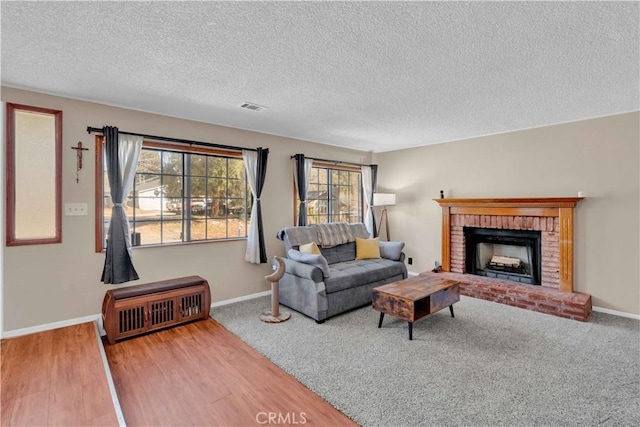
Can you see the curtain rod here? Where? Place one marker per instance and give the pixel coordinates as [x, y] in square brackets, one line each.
[179, 141]
[337, 162]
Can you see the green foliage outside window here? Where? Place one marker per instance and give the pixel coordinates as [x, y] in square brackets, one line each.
[184, 197]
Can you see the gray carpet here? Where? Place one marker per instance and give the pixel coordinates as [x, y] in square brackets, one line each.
[493, 365]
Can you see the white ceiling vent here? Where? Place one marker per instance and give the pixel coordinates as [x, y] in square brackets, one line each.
[251, 106]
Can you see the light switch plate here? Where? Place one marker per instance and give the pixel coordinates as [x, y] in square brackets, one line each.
[75, 209]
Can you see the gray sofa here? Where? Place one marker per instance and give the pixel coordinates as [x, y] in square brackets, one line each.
[321, 289]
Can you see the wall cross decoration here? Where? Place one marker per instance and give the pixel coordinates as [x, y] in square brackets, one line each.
[79, 151]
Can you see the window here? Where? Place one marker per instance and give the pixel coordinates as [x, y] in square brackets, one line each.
[34, 175]
[334, 194]
[181, 194]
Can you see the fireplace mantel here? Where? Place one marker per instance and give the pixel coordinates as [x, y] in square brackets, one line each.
[521, 202]
[558, 209]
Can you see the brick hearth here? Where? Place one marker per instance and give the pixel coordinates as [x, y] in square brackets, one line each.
[553, 217]
[572, 305]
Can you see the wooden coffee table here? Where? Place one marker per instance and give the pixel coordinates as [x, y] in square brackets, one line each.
[414, 298]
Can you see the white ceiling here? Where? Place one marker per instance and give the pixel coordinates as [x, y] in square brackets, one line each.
[374, 76]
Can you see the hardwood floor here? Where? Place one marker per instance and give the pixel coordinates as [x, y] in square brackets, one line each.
[202, 374]
[196, 374]
[55, 378]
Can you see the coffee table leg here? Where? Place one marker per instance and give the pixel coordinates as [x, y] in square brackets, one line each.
[451, 310]
[380, 322]
[410, 331]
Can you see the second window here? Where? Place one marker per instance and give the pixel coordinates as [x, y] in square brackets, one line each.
[334, 194]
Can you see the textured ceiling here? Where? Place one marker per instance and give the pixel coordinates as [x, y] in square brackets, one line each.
[373, 76]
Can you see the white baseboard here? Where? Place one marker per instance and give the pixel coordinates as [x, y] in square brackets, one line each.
[412, 273]
[238, 299]
[616, 312]
[55, 325]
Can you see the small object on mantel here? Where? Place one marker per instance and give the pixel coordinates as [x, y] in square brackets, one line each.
[437, 268]
[79, 151]
[442, 194]
[274, 315]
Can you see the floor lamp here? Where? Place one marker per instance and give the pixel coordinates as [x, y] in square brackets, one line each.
[384, 200]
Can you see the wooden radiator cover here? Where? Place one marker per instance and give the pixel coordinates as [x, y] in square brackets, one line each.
[144, 308]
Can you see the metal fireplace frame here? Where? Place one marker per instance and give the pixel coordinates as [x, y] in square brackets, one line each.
[526, 238]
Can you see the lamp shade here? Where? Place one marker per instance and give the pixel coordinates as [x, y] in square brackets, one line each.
[384, 199]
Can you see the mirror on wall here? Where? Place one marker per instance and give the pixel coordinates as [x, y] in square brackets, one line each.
[34, 149]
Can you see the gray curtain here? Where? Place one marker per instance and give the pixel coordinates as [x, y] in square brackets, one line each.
[302, 176]
[121, 154]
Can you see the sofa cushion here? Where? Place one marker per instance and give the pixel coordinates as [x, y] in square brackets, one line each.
[391, 250]
[367, 248]
[340, 253]
[348, 274]
[309, 248]
[315, 260]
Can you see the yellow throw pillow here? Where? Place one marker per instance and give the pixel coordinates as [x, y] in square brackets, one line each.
[310, 248]
[367, 248]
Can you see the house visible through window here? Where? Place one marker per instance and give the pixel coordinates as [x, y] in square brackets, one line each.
[334, 194]
[183, 195]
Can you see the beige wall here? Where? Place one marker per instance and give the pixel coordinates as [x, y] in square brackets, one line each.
[599, 157]
[49, 283]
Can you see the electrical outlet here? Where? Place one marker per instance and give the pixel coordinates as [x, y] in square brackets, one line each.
[410, 261]
[75, 209]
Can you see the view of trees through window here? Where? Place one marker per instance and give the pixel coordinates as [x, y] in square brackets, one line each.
[334, 195]
[182, 197]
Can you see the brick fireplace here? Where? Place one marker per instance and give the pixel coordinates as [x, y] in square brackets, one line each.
[551, 217]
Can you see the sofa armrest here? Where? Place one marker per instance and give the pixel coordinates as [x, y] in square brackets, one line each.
[303, 270]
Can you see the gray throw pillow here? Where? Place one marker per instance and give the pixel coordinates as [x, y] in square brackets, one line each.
[391, 250]
[311, 259]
